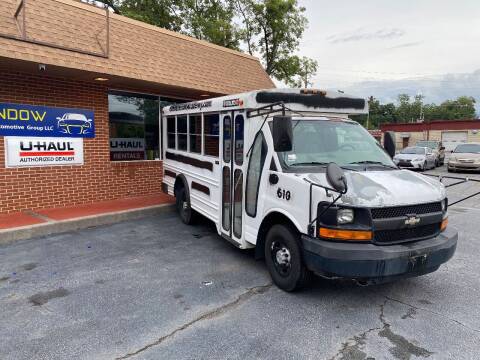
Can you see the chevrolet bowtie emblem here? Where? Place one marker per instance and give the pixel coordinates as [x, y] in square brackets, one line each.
[412, 221]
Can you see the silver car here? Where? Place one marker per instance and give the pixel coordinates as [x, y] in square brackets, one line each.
[415, 158]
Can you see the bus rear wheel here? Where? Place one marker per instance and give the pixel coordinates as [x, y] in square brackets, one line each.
[183, 206]
[284, 259]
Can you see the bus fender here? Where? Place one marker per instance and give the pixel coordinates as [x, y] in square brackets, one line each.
[274, 216]
[180, 181]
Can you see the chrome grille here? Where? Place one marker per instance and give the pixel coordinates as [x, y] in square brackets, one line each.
[399, 211]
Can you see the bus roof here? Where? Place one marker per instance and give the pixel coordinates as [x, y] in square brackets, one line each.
[296, 100]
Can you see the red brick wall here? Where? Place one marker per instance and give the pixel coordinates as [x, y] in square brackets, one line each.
[55, 186]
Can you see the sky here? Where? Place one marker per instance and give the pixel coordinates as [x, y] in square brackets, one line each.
[386, 47]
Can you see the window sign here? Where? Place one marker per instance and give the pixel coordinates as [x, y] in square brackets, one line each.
[44, 121]
[43, 151]
[127, 149]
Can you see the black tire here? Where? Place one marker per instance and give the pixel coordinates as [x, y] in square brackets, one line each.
[450, 170]
[284, 259]
[183, 206]
[437, 163]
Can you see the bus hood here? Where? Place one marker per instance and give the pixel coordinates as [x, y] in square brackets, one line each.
[387, 188]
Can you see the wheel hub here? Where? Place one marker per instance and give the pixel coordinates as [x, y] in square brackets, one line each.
[283, 256]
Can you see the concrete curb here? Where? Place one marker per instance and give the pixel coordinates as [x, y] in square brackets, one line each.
[8, 236]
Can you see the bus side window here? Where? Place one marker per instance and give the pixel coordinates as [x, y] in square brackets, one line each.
[171, 132]
[254, 174]
[182, 133]
[195, 132]
[211, 134]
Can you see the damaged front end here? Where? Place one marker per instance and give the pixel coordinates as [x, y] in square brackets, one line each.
[388, 225]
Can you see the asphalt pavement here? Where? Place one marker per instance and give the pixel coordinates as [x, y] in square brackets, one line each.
[157, 289]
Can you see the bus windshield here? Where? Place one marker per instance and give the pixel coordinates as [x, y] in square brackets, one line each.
[319, 142]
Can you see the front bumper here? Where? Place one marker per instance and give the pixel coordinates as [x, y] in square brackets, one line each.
[463, 166]
[378, 263]
[412, 165]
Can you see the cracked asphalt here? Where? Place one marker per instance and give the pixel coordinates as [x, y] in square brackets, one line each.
[157, 289]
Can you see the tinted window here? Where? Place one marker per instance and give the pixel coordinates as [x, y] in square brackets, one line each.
[468, 148]
[182, 132]
[255, 166]
[195, 133]
[226, 214]
[239, 123]
[227, 138]
[211, 133]
[414, 150]
[237, 202]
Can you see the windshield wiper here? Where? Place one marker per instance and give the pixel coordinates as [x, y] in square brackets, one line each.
[310, 163]
[369, 162]
[322, 164]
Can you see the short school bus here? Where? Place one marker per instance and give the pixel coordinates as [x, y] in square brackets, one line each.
[287, 172]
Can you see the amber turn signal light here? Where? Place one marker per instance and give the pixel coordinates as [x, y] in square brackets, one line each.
[349, 235]
[444, 224]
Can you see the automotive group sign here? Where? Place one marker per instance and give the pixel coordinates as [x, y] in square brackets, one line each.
[28, 120]
[40, 151]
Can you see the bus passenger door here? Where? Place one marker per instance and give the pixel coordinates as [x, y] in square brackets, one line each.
[232, 175]
[226, 161]
[238, 176]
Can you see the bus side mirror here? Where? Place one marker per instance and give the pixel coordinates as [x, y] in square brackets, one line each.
[389, 143]
[282, 133]
[336, 178]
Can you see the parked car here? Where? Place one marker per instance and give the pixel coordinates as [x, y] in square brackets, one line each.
[465, 157]
[415, 157]
[437, 148]
[71, 123]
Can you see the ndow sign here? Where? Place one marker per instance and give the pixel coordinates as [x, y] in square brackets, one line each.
[26, 152]
[29, 120]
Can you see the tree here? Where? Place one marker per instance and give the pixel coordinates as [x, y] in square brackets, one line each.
[212, 20]
[269, 29]
[273, 29]
[306, 69]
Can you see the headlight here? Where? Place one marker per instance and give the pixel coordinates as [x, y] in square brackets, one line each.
[344, 216]
[444, 204]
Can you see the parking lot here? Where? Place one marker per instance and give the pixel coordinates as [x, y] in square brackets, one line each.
[157, 289]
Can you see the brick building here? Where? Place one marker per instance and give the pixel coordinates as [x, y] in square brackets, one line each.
[109, 76]
[450, 132]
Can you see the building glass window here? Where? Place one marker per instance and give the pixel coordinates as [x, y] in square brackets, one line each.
[134, 126]
[195, 133]
[211, 134]
[182, 135]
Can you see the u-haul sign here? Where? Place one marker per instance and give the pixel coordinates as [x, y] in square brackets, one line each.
[41, 151]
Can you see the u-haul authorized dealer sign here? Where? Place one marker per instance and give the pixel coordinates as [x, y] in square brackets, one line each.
[42, 151]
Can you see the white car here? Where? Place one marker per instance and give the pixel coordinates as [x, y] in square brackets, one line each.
[72, 123]
[415, 157]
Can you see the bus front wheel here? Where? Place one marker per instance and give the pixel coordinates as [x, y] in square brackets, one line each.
[284, 259]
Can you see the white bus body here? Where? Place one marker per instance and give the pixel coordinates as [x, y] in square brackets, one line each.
[220, 162]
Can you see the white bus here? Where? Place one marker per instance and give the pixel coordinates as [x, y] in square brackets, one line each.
[287, 172]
